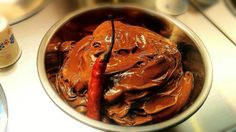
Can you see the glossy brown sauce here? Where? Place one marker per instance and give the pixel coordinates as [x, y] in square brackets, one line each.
[145, 81]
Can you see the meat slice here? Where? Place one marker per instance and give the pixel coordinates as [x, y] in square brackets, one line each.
[183, 93]
[145, 79]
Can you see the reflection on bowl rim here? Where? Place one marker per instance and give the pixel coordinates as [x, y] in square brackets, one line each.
[100, 125]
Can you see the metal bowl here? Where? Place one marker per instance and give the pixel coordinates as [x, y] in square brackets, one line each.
[195, 58]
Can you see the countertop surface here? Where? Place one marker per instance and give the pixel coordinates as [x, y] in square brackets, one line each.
[30, 108]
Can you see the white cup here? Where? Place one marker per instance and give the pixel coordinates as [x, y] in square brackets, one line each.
[206, 2]
[172, 7]
[9, 49]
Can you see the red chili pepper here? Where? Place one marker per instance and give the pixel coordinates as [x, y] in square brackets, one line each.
[95, 89]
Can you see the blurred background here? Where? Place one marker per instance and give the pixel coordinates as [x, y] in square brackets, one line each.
[219, 12]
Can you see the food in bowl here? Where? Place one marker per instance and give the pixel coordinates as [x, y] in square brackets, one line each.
[144, 80]
[77, 25]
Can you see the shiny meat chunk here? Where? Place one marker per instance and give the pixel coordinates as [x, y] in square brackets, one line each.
[145, 80]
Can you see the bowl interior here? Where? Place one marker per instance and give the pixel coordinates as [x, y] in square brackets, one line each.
[80, 23]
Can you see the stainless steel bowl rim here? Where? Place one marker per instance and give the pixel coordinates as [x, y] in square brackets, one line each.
[103, 126]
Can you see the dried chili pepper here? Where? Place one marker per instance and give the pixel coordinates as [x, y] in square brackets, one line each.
[95, 89]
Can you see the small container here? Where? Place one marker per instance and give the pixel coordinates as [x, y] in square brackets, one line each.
[206, 2]
[9, 49]
[172, 7]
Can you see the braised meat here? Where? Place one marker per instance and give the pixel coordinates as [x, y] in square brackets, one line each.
[145, 81]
